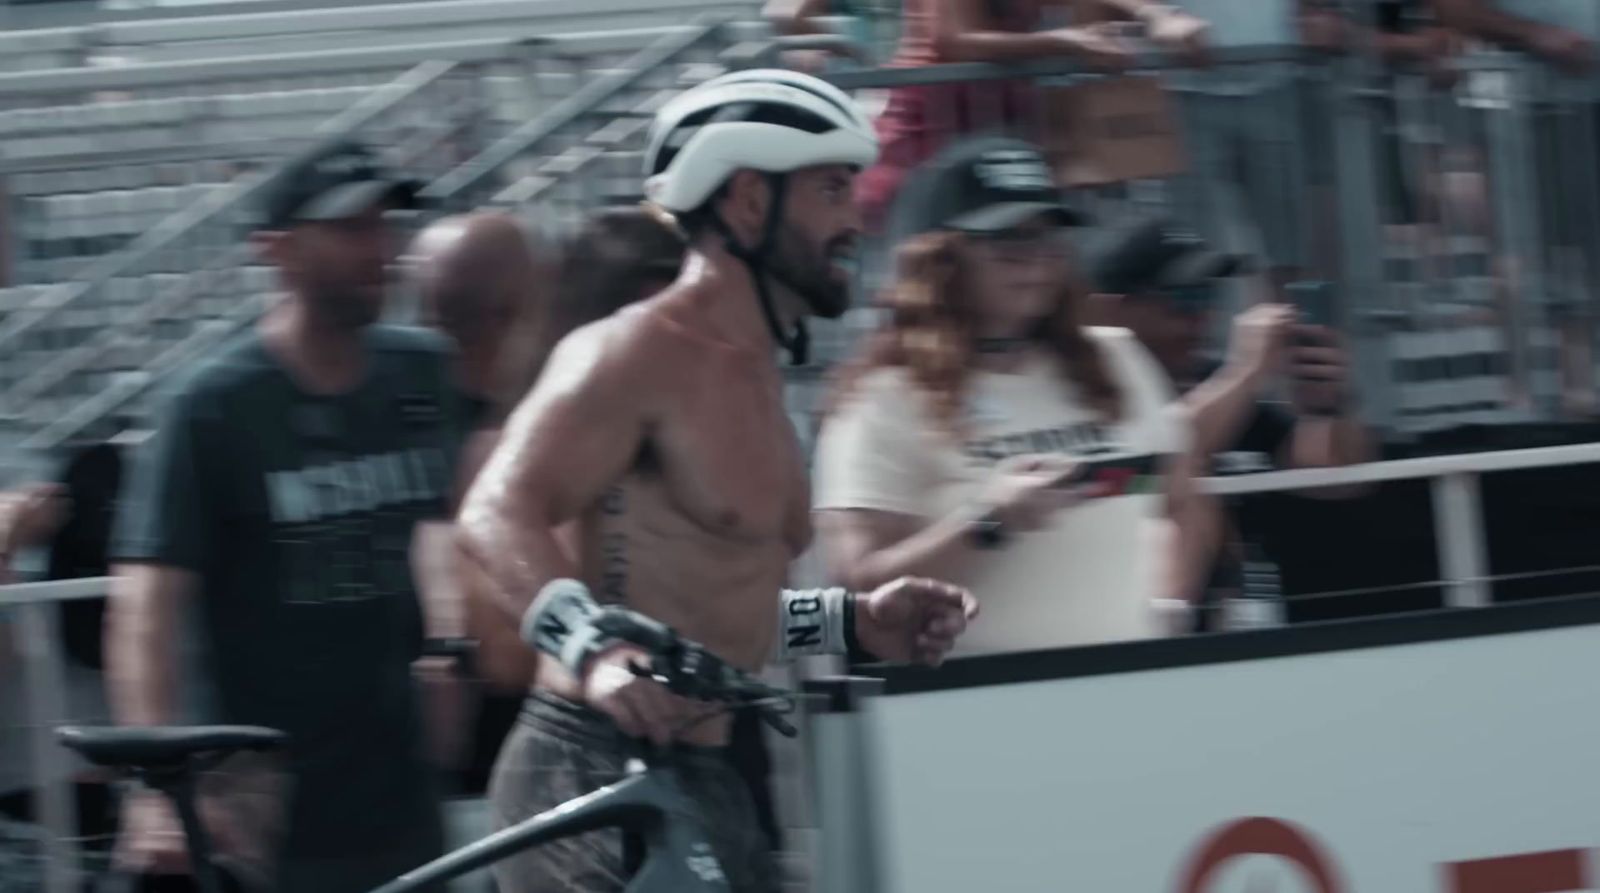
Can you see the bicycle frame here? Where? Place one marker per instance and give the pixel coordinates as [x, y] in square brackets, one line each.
[678, 858]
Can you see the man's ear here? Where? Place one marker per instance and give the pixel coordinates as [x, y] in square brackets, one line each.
[745, 203]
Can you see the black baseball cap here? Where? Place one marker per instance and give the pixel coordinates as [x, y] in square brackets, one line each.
[340, 180]
[981, 185]
[1149, 253]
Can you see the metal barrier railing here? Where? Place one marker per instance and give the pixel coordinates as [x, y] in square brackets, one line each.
[51, 85]
[472, 182]
[213, 285]
[1457, 223]
[1458, 532]
[38, 637]
[1438, 343]
[181, 36]
[460, 182]
[199, 252]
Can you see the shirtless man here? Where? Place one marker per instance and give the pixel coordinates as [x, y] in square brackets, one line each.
[506, 297]
[662, 431]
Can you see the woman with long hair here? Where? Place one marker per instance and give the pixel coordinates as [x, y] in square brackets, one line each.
[986, 436]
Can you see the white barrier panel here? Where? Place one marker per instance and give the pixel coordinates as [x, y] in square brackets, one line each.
[1451, 752]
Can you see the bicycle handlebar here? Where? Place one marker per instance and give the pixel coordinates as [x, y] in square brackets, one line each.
[565, 618]
[686, 668]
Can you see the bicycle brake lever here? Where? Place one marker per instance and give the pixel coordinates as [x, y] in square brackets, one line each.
[660, 670]
[779, 724]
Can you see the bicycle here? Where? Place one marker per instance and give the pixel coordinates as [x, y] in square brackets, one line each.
[170, 759]
[650, 801]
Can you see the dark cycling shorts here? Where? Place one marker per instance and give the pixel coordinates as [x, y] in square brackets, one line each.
[559, 750]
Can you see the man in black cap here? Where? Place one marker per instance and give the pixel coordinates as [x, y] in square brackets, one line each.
[277, 500]
[1162, 282]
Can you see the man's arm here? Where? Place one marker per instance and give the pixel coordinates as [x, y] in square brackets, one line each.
[964, 32]
[795, 16]
[28, 518]
[143, 624]
[502, 660]
[573, 436]
[164, 526]
[1165, 25]
[143, 619]
[1194, 521]
[867, 547]
[1480, 18]
[1221, 406]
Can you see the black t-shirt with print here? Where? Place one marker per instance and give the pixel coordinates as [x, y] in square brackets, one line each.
[296, 512]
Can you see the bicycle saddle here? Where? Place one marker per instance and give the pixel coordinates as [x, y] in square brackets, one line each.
[162, 747]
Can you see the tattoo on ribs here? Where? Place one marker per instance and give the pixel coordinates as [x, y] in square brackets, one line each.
[614, 548]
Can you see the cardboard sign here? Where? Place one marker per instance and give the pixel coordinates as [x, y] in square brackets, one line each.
[1111, 131]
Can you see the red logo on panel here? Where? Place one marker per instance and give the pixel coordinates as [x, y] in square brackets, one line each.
[1263, 836]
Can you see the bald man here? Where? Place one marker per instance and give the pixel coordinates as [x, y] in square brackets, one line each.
[479, 283]
[479, 277]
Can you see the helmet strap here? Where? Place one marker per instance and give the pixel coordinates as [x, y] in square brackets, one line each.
[798, 340]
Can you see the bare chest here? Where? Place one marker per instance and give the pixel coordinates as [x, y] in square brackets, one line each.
[728, 460]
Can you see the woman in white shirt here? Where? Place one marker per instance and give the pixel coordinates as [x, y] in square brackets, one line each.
[986, 437]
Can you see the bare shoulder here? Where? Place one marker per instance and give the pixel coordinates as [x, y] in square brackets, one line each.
[614, 372]
[631, 348]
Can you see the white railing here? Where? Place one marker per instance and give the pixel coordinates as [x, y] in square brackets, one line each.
[1458, 528]
[37, 635]
[1457, 506]
[247, 32]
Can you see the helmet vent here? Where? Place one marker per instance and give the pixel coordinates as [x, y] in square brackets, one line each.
[776, 113]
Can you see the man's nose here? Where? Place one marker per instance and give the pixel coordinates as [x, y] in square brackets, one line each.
[853, 222]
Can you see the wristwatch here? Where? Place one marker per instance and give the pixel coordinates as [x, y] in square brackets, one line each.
[988, 531]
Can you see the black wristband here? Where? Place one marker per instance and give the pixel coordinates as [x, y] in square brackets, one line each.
[463, 652]
[988, 532]
[854, 653]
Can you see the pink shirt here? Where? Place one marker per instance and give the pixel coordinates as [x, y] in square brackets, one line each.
[919, 121]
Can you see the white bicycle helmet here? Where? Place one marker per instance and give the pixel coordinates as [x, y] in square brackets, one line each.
[767, 120]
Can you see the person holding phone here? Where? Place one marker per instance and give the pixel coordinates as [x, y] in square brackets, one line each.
[1162, 282]
[986, 436]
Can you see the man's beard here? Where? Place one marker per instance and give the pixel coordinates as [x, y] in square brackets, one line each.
[348, 308]
[808, 273]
